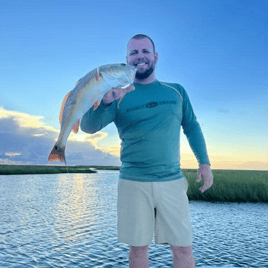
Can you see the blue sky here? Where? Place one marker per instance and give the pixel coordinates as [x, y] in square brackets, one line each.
[217, 50]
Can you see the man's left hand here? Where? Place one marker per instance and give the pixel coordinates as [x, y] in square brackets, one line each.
[205, 172]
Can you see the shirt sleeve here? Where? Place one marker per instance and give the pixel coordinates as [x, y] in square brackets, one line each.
[193, 132]
[94, 121]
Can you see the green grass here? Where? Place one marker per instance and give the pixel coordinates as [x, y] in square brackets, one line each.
[34, 169]
[228, 185]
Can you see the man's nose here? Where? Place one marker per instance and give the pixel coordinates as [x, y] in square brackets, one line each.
[140, 55]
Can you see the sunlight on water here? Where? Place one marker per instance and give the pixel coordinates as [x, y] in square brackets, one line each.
[70, 220]
[72, 206]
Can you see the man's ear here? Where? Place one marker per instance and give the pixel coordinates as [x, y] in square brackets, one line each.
[156, 56]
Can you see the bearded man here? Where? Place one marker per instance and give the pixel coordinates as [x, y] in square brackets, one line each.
[152, 189]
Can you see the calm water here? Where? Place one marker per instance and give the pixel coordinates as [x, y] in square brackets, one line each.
[70, 220]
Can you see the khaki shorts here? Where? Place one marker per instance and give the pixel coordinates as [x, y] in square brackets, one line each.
[160, 208]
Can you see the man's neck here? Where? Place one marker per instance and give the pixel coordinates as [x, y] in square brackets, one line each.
[148, 80]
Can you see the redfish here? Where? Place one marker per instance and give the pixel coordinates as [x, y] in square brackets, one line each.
[87, 93]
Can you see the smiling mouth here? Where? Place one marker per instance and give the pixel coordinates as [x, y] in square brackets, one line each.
[141, 64]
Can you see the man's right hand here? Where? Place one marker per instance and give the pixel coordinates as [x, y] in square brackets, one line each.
[116, 93]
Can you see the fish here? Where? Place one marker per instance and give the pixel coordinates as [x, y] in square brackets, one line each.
[87, 93]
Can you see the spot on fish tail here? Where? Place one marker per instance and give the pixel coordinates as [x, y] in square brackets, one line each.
[57, 154]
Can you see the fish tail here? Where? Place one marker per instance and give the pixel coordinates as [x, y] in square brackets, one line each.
[57, 154]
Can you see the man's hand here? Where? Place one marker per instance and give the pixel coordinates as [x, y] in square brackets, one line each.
[205, 172]
[116, 93]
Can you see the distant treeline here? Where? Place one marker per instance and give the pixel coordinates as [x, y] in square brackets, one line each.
[35, 169]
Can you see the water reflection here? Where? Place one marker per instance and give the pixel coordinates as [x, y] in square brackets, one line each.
[70, 220]
[74, 207]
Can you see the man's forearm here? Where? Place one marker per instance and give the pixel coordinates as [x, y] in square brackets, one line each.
[197, 143]
[93, 121]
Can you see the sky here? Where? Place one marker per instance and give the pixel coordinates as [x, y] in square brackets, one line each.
[217, 50]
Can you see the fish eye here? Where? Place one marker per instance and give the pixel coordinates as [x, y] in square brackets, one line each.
[123, 64]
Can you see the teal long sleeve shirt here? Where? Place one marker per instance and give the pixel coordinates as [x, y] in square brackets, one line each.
[148, 120]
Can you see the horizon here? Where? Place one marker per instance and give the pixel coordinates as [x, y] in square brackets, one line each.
[216, 50]
[59, 165]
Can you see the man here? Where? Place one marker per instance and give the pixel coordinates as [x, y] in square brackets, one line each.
[151, 188]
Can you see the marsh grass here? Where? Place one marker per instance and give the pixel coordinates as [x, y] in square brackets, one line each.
[34, 169]
[228, 185]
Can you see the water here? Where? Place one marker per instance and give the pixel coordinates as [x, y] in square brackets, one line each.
[70, 220]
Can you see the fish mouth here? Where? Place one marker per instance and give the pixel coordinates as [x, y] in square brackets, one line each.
[128, 78]
[133, 68]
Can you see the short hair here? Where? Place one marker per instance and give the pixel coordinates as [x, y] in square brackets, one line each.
[142, 36]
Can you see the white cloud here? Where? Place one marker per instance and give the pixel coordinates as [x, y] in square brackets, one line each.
[94, 139]
[25, 120]
[12, 154]
[5, 161]
[27, 139]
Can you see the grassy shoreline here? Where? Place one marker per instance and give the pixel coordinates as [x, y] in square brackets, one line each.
[228, 185]
[38, 169]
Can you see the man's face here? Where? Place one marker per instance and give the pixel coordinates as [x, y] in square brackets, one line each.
[140, 54]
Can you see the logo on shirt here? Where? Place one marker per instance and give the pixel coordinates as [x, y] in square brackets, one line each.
[150, 105]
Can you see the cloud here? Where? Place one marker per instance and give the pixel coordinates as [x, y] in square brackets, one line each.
[26, 139]
[223, 110]
[12, 154]
[94, 139]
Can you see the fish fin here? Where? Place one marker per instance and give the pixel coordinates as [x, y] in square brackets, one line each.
[63, 105]
[57, 154]
[76, 126]
[78, 81]
[95, 95]
[98, 75]
[96, 105]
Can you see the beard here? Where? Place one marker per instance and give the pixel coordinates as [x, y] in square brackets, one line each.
[145, 74]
